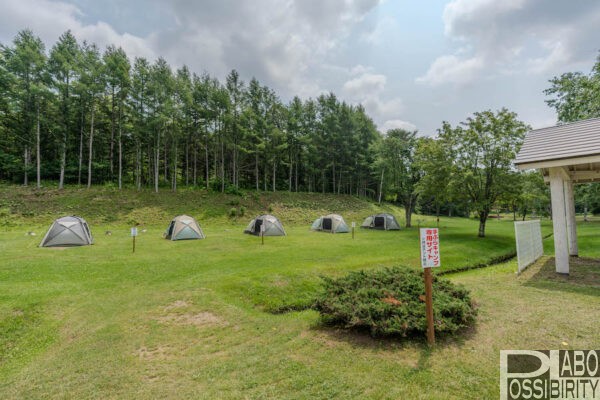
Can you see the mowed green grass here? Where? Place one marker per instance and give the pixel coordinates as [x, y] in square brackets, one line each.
[192, 319]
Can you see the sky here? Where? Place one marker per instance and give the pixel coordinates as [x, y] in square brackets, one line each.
[412, 64]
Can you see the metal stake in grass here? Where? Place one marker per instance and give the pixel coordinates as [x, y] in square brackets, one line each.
[134, 233]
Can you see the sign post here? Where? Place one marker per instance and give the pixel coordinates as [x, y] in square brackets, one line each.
[353, 226]
[262, 233]
[134, 233]
[430, 258]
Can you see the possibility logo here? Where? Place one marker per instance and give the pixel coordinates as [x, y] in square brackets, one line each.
[549, 374]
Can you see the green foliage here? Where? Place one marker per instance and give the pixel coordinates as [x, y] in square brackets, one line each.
[389, 302]
[483, 149]
[576, 96]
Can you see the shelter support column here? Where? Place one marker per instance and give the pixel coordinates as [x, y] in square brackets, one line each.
[559, 219]
[571, 224]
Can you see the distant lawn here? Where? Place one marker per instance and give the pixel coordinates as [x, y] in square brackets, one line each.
[193, 319]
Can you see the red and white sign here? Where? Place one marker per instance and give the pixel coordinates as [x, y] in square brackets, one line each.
[430, 247]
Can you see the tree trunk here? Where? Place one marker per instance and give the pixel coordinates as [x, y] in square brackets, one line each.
[222, 165]
[138, 165]
[333, 177]
[195, 173]
[296, 183]
[166, 161]
[80, 166]
[408, 214]
[482, 220]
[290, 175]
[187, 163]
[26, 166]
[112, 133]
[120, 148]
[206, 156]
[585, 213]
[174, 185]
[38, 154]
[63, 161]
[256, 170]
[274, 174]
[90, 147]
[156, 164]
[381, 187]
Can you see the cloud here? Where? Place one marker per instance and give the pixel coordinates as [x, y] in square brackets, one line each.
[398, 124]
[283, 43]
[514, 36]
[452, 69]
[369, 89]
[365, 84]
[50, 19]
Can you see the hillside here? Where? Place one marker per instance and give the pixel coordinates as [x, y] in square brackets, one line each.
[107, 205]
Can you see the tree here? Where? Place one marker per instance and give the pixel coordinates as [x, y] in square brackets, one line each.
[26, 62]
[92, 84]
[139, 112]
[435, 159]
[484, 147]
[400, 170]
[116, 70]
[63, 69]
[576, 96]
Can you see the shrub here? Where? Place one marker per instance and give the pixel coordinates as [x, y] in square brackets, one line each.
[242, 211]
[233, 212]
[390, 302]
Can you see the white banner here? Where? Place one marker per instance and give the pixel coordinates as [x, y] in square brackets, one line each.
[430, 247]
[528, 235]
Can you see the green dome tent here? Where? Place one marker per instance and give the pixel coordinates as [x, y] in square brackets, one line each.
[273, 226]
[184, 227]
[386, 222]
[333, 223]
[68, 231]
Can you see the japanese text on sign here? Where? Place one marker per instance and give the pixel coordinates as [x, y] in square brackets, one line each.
[430, 247]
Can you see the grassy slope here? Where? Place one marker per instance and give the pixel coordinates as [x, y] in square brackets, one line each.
[188, 320]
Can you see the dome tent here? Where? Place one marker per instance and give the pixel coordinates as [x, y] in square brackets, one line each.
[273, 226]
[333, 223]
[68, 231]
[184, 227]
[386, 222]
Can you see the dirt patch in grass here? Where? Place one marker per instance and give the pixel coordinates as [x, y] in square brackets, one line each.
[176, 305]
[196, 319]
[583, 272]
[153, 353]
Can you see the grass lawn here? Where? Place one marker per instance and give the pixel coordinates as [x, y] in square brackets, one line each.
[195, 319]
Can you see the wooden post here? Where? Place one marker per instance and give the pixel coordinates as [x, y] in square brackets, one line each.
[430, 258]
[133, 245]
[429, 306]
[353, 226]
[262, 234]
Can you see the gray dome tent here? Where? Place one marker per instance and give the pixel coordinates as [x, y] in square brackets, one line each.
[333, 223]
[184, 227]
[385, 222]
[67, 231]
[272, 225]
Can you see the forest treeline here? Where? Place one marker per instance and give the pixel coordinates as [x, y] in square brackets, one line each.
[76, 114]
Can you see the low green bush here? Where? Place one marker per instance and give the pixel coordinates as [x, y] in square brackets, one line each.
[391, 302]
